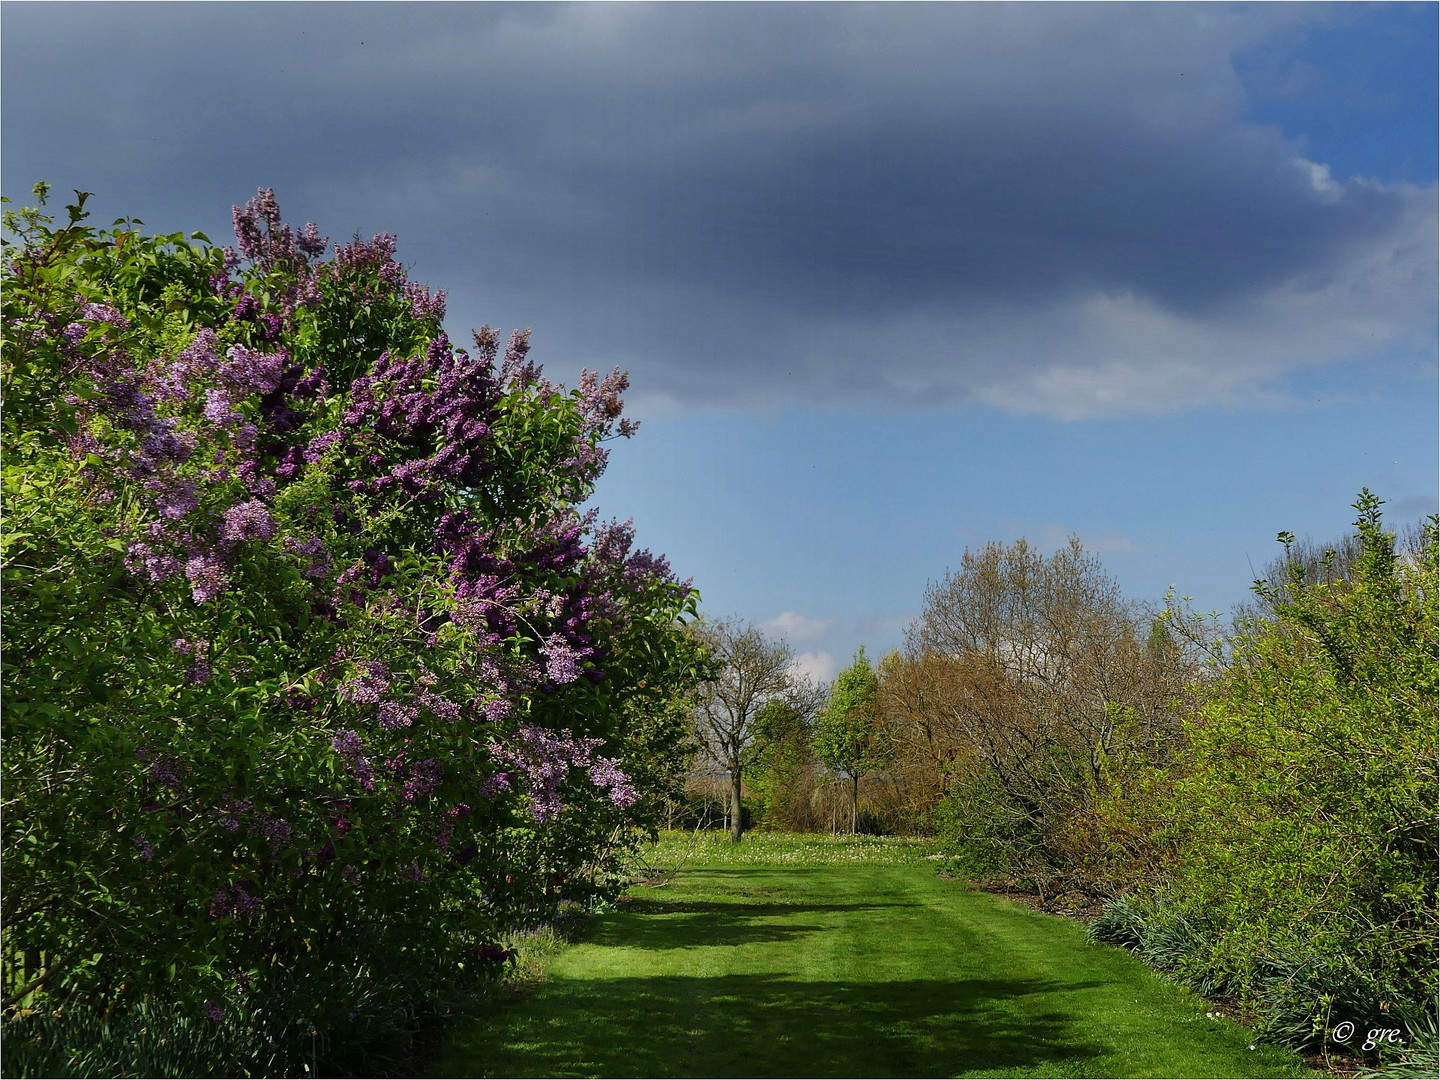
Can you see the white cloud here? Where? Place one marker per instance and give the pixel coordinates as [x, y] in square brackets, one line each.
[794, 627]
[818, 666]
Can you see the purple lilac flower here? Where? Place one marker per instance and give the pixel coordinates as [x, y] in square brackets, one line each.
[545, 758]
[348, 745]
[495, 784]
[250, 371]
[249, 474]
[232, 814]
[245, 903]
[207, 577]
[439, 707]
[219, 409]
[605, 774]
[140, 559]
[424, 778]
[559, 660]
[238, 900]
[166, 773]
[213, 1011]
[368, 685]
[247, 307]
[311, 242]
[199, 670]
[171, 380]
[393, 715]
[244, 436]
[104, 313]
[147, 852]
[247, 521]
[274, 829]
[423, 303]
[177, 499]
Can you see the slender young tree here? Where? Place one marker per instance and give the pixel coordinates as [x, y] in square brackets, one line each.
[749, 672]
[849, 737]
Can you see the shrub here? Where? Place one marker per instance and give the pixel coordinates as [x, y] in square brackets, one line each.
[1296, 823]
[317, 680]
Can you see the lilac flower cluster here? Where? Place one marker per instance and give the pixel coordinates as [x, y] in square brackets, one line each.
[423, 303]
[199, 670]
[437, 407]
[441, 708]
[560, 660]
[266, 240]
[164, 771]
[368, 685]
[141, 559]
[238, 900]
[394, 715]
[317, 565]
[249, 371]
[249, 520]
[169, 379]
[104, 313]
[232, 812]
[544, 759]
[207, 577]
[348, 745]
[274, 829]
[421, 780]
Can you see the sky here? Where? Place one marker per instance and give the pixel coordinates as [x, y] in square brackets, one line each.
[891, 281]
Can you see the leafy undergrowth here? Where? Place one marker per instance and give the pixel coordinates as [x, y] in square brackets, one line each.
[821, 956]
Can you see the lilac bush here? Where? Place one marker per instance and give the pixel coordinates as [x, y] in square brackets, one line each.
[316, 673]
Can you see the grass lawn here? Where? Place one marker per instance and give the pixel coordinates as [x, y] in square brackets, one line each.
[811, 956]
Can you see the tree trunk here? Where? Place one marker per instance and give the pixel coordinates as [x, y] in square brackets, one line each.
[735, 817]
[854, 804]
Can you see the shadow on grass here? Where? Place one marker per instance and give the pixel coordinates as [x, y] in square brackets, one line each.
[686, 924]
[769, 1025]
[641, 906]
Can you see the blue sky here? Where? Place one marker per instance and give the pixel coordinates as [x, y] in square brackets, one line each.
[890, 280]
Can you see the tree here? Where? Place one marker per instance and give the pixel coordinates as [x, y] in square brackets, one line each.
[1046, 676]
[749, 672]
[927, 744]
[849, 737]
[784, 772]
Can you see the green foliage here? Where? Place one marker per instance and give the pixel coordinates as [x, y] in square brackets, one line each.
[849, 737]
[1296, 824]
[1311, 777]
[780, 779]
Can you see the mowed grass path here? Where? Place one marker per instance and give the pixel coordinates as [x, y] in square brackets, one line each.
[814, 957]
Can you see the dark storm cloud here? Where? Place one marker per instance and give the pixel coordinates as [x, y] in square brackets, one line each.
[1055, 208]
